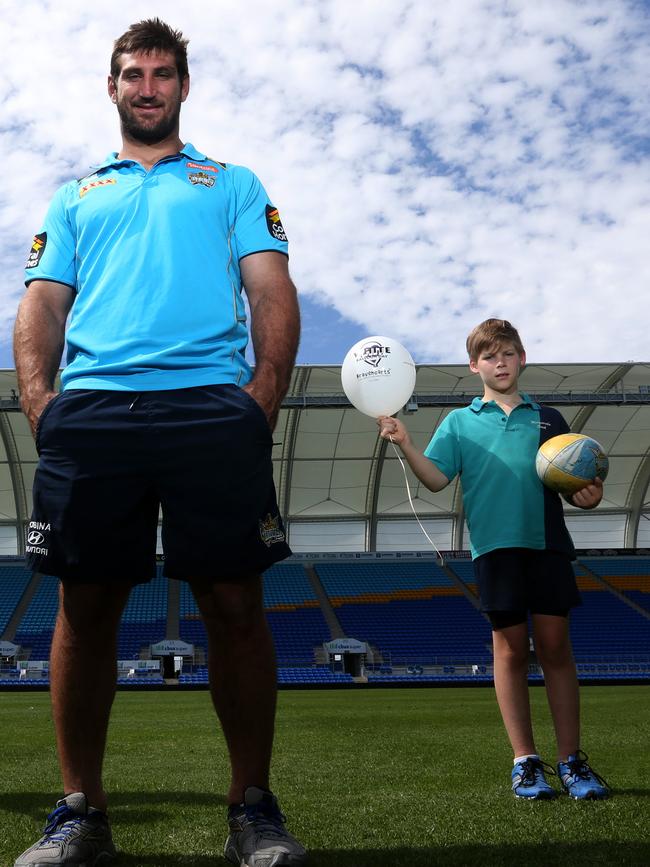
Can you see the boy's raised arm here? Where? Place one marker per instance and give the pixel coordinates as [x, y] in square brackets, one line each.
[426, 471]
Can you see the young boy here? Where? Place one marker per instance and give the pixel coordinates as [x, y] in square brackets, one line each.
[521, 548]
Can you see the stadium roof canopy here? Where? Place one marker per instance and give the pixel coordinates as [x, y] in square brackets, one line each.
[340, 488]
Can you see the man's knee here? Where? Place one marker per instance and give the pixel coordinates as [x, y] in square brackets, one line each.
[231, 604]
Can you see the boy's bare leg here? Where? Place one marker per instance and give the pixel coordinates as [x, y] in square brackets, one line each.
[83, 679]
[243, 679]
[553, 646]
[511, 652]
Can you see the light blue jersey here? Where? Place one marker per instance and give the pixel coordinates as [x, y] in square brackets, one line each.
[153, 257]
[505, 503]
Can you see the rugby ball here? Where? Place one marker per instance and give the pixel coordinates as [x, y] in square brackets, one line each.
[569, 462]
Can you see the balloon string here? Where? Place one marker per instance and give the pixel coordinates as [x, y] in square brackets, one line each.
[408, 491]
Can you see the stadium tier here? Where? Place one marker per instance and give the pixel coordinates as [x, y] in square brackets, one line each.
[383, 581]
[293, 614]
[287, 587]
[415, 618]
[604, 628]
[14, 583]
[464, 569]
[144, 620]
[35, 628]
[413, 613]
[628, 575]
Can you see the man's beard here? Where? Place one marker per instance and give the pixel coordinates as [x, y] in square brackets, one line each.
[148, 134]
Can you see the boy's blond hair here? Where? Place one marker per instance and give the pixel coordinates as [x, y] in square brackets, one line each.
[492, 334]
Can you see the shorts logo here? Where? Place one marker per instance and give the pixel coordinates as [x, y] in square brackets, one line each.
[201, 166]
[37, 538]
[100, 182]
[202, 178]
[38, 247]
[270, 530]
[274, 225]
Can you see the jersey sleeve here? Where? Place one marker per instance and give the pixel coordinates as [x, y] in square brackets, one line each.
[257, 222]
[52, 255]
[444, 448]
[552, 424]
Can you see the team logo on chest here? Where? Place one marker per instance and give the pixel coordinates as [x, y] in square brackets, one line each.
[202, 179]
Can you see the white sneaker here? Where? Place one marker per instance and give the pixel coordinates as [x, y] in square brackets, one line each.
[258, 837]
[76, 835]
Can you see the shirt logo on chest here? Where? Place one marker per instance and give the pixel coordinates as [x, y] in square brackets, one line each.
[201, 179]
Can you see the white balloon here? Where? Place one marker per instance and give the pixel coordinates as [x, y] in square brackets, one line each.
[378, 376]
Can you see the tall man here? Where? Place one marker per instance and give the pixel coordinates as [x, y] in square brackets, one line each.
[158, 410]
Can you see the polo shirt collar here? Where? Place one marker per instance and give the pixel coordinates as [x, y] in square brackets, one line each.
[478, 403]
[188, 150]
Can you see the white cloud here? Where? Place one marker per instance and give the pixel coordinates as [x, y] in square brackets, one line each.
[434, 164]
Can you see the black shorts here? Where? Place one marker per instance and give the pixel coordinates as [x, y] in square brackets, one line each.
[515, 581]
[110, 460]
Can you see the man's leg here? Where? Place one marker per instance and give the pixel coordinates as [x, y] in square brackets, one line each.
[511, 652]
[83, 678]
[553, 647]
[243, 680]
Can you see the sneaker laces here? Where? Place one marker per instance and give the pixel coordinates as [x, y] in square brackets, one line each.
[62, 822]
[59, 817]
[268, 821]
[579, 768]
[530, 768]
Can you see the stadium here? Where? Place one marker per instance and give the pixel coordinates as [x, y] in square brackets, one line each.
[372, 629]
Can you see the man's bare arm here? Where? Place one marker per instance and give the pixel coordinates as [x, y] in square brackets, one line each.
[275, 327]
[39, 336]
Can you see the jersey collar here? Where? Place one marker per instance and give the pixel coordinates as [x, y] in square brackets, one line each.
[112, 160]
[478, 403]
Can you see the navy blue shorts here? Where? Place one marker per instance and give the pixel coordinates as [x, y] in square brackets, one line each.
[514, 582]
[110, 460]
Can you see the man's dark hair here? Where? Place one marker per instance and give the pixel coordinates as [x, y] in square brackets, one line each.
[147, 36]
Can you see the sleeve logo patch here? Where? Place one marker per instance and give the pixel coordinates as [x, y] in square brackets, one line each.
[274, 225]
[38, 246]
[100, 182]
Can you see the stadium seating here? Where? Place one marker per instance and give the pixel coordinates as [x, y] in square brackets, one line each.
[14, 581]
[286, 587]
[412, 612]
[465, 571]
[604, 629]
[144, 619]
[293, 613]
[628, 575]
[37, 624]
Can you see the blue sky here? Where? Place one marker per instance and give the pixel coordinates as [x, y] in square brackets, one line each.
[434, 164]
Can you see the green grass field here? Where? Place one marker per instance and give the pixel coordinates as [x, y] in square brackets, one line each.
[371, 777]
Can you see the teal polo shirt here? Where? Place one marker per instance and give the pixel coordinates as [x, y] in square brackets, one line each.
[154, 260]
[506, 505]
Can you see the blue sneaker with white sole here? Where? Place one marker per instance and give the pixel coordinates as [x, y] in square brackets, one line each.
[580, 781]
[529, 780]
